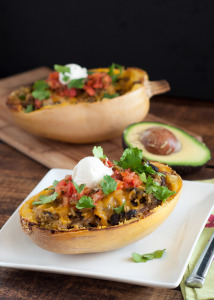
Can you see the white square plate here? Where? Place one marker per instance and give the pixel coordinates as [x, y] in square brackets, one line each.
[178, 235]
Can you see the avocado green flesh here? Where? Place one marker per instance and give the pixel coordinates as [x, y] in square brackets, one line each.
[192, 153]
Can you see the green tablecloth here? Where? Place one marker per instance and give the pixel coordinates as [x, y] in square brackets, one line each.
[207, 292]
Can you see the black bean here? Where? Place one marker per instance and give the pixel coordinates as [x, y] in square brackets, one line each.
[139, 192]
[131, 189]
[134, 203]
[163, 180]
[131, 214]
[159, 202]
[48, 213]
[50, 216]
[143, 199]
[115, 219]
[156, 169]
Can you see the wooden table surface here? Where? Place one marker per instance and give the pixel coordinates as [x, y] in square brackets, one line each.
[18, 176]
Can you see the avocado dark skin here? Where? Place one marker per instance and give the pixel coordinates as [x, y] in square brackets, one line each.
[185, 163]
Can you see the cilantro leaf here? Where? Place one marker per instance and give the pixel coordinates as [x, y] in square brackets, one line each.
[41, 95]
[22, 97]
[113, 76]
[148, 169]
[108, 184]
[108, 96]
[65, 78]
[142, 177]
[76, 83]
[46, 199]
[54, 184]
[149, 256]
[131, 158]
[151, 185]
[40, 90]
[119, 209]
[79, 188]
[29, 108]
[90, 72]
[160, 192]
[40, 85]
[85, 202]
[61, 69]
[98, 152]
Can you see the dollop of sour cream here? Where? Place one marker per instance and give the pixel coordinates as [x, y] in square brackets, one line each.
[90, 171]
[76, 72]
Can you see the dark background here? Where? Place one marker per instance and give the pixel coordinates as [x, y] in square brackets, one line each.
[170, 39]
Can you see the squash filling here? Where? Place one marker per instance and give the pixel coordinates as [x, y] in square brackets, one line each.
[135, 195]
[103, 83]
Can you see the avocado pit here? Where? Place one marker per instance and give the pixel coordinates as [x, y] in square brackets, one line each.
[160, 141]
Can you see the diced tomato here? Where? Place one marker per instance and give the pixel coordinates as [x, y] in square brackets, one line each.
[68, 177]
[97, 196]
[130, 179]
[61, 187]
[65, 92]
[89, 90]
[72, 92]
[117, 175]
[70, 188]
[107, 163]
[119, 184]
[86, 191]
[97, 81]
[38, 103]
[106, 80]
[53, 80]
[61, 183]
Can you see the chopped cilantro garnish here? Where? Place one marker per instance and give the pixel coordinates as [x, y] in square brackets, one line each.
[40, 85]
[108, 184]
[160, 192]
[151, 185]
[40, 90]
[119, 209]
[148, 169]
[143, 177]
[149, 256]
[65, 78]
[79, 188]
[22, 97]
[61, 69]
[41, 95]
[85, 202]
[29, 108]
[108, 96]
[76, 83]
[55, 182]
[90, 72]
[98, 152]
[131, 158]
[113, 66]
[46, 199]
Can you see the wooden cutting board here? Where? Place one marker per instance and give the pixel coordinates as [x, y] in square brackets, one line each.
[52, 154]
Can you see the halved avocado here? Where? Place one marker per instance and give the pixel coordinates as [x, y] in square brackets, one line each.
[186, 156]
